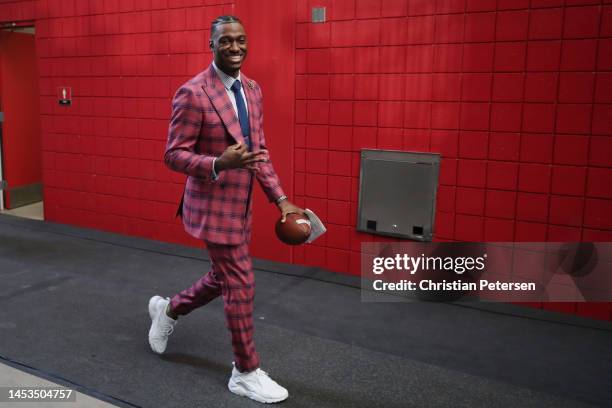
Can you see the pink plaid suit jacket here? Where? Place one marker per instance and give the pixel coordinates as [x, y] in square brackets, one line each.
[202, 126]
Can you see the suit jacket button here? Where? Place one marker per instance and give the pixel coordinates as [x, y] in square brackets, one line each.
[222, 185]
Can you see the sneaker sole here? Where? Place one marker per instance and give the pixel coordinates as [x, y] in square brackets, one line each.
[152, 303]
[249, 394]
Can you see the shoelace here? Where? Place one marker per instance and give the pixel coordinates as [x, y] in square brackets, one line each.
[168, 330]
[262, 377]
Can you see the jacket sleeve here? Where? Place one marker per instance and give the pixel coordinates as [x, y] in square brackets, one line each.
[267, 177]
[183, 133]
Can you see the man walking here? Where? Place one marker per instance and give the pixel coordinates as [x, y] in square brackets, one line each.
[216, 138]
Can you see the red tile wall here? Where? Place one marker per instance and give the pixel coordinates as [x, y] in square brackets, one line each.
[516, 96]
[102, 156]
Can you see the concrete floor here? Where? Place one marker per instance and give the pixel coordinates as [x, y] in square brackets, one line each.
[74, 308]
[32, 211]
[14, 378]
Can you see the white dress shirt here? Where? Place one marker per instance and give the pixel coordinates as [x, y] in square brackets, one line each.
[228, 81]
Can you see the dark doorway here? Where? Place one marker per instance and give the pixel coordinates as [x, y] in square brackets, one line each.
[20, 140]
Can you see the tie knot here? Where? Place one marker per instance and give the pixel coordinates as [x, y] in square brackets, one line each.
[236, 85]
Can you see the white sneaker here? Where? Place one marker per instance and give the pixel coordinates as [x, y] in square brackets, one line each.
[257, 386]
[161, 324]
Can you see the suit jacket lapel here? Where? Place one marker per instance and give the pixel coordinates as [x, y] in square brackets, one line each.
[250, 96]
[217, 94]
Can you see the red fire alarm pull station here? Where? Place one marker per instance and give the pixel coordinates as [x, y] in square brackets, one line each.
[64, 95]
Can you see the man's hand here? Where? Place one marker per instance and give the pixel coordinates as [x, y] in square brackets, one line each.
[287, 207]
[263, 158]
[238, 157]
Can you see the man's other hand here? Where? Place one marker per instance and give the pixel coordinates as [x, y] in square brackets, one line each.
[238, 157]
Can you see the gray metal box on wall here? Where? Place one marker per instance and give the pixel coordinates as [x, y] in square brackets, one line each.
[397, 193]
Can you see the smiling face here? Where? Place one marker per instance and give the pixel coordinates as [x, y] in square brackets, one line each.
[228, 43]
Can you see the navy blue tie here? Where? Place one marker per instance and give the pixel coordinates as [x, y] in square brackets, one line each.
[243, 116]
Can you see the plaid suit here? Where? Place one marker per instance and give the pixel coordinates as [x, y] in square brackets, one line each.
[202, 126]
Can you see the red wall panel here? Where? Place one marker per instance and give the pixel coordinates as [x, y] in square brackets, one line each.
[271, 32]
[513, 94]
[123, 61]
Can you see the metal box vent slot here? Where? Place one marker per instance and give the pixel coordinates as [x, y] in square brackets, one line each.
[318, 14]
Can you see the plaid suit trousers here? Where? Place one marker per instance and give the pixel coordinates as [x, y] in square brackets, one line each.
[231, 276]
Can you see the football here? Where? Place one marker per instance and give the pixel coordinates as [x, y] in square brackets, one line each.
[295, 230]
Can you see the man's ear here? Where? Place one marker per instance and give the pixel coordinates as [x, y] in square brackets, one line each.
[210, 44]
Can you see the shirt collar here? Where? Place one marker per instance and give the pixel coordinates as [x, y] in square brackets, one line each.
[227, 80]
